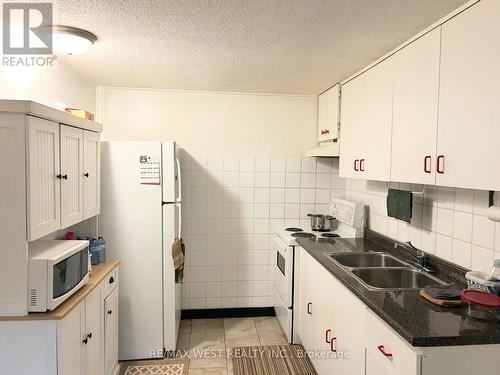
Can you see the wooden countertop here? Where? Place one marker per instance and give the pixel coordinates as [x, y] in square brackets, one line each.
[98, 274]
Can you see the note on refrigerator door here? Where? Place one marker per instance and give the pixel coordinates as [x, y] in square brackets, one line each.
[149, 170]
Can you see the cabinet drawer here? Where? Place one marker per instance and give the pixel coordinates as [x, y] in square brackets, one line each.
[399, 357]
[110, 282]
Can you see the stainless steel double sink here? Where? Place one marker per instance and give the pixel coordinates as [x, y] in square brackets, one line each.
[382, 271]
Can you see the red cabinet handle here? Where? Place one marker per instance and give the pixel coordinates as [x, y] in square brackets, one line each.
[362, 165]
[327, 334]
[427, 164]
[440, 164]
[325, 131]
[309, 308]
[333, 340]
[382, 350]
[356, 165]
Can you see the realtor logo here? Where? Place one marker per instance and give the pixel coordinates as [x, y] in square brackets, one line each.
[27, 28]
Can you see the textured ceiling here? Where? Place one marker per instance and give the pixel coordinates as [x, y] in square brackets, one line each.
[271, 46]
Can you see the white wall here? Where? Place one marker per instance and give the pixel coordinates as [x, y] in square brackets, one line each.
[57, 86]
[243, 173]
[211, 123]
[448, 222]
[231, 207]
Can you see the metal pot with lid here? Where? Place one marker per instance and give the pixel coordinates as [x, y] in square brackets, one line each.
[322, 223]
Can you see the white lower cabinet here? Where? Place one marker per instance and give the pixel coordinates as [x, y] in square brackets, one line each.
[83, 342]
[87, 338]
[111, 333]
[343, 336]
[329, 331]
[387, 352]
[79, 338]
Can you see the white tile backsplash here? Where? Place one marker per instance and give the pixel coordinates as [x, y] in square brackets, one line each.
[231, 205]
[448, 222]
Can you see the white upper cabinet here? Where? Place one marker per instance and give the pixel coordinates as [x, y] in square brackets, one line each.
[43, 186]
[415, 110]
[350, 125]
[328, 114]
[469, 97]
[366, 124]
[91, 174]
[71, 176]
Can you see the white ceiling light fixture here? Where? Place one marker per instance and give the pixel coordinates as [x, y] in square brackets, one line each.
[71, 40]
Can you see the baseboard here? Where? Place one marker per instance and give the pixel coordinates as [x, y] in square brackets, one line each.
[239, 312]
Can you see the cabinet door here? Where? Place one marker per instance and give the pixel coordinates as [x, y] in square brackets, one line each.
[374, 132]
[373, 367]
[72, 176]
[44, 194]
[366, 125]
[306, 307]
[469, 114]
[111, 332]
[70, 345]
[328, 114]
[348, 327]
[387, 350]
[93, 314]
[415, 110]
[325, 322]
[91, 174]
[350, 126]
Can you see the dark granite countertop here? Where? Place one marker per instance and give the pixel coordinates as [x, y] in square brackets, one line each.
[418, 321]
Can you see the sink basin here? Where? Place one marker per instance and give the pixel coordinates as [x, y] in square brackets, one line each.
[364, 259]
[394, 278]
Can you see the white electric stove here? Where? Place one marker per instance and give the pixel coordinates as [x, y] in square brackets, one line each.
[351, 218]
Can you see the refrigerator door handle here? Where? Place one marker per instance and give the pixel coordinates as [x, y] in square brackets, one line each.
[180, 221]
[179, 179]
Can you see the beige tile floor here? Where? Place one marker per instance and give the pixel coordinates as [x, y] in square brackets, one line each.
[207, 340]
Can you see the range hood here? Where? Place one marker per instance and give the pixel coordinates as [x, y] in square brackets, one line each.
[325, 150]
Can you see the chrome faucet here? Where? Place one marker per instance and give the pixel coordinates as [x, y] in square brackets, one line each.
[419, 255]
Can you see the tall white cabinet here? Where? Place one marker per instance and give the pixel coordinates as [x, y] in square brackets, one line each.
[50, 181]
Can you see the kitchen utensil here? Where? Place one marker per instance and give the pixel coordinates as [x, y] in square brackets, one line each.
[322, 223]
[481, 305]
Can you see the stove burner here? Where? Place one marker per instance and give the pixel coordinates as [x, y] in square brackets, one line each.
[330, 235]
[292, 229]
[303, 235]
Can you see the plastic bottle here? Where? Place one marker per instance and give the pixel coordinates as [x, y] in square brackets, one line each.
[495, 271]
[102, 249]
[94, 251]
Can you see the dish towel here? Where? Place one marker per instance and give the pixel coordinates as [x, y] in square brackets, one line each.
[178, 255]
[399, 204]
[447, 291]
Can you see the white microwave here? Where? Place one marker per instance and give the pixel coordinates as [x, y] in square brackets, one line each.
[56, 270]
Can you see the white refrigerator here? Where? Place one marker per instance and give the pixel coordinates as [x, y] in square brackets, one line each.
[140, 218]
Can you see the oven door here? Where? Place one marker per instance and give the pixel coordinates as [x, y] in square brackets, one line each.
[283, 270]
